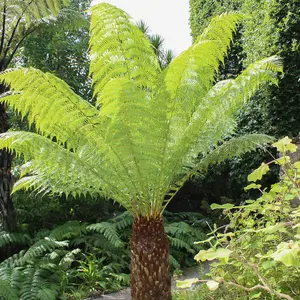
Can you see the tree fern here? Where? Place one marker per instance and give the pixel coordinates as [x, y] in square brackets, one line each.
[151, 125]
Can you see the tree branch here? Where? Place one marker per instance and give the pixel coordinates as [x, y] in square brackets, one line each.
[14, 31]
[3, 27]
[6, 63]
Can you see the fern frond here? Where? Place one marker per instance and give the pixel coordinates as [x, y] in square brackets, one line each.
[122, 221]
[13, 238]
[178, 243]
[68, 230]
[214, 117]
[174, 262]
[119, 50]
[49, 103]
[6, 292]
[109, 231]
[235, 147]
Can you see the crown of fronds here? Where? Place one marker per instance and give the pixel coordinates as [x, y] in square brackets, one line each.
[148, 127]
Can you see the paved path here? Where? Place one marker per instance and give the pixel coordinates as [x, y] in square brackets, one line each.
[191, 272]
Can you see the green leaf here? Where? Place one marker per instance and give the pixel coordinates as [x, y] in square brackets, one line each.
[283, 160]
[258, 173]
[223, 206]
[252, 186]
[211, 254]
[184, 284]
[287, 253]
[255, 296]
[284, 145]
[212, 285]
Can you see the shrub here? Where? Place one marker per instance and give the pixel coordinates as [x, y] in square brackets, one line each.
[258, 252]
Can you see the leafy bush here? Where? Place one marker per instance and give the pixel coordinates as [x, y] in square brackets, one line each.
[258, 253]
[76, 258]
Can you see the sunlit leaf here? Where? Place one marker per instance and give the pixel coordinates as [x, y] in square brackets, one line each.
[184, 284]
[258, 173]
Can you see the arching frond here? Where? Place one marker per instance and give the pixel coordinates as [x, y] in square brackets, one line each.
[6, 292]
[235, 147]
[119, 49]
[214, 117]
[49, 103]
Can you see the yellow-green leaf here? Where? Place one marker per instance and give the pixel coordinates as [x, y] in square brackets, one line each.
[252, 186]
[258, 173]
[283, 160]
[284, 145]
[211, 254]
[223, 206]
[184, 284]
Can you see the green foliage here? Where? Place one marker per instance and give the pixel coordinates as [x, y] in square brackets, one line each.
[271, 27]
[19, 19]
[61, 47]
[54, 265]
[79, 258]
[6, 292]
[260, 247]
[130, 150]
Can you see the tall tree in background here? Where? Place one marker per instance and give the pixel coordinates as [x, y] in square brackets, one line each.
[18, 18]
[272, 27]
[62, 47]
[157, 42]
[145, 141]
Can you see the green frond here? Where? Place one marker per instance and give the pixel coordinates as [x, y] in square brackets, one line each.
[7, 238]
[119, 49]
[48, 103]
[214, 117]
[122, 221]
[71, 19]
[235, 147]
[68, 230]
[178, 243]
[6, 292]
[173, 262]
[109, 231]
[29, 13]
[185, 82]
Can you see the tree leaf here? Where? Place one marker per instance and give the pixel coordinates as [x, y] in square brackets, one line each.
[184, 284]
[223, 206]
[287, 253]
[285, 144]
[252, 186]
[258, 173]
[211, 254]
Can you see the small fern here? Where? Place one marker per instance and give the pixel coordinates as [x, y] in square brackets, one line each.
[6, 292]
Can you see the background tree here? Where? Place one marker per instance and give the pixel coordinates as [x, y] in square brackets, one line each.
[145, 141]
[157, 42]
[272, 27]
[18, 18]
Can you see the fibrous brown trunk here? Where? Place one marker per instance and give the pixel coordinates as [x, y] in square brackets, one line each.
[7, 212]
[150, 270]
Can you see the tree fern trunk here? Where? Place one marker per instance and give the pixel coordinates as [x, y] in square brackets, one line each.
[7, 212]
[150, 274]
